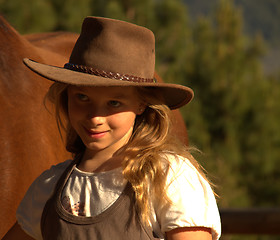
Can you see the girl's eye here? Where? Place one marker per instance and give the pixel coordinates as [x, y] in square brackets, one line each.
[114, 103]
[82, 97]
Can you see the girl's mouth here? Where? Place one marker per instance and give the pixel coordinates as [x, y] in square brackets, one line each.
[96, 134]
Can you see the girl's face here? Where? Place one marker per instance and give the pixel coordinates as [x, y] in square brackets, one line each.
[103, 117]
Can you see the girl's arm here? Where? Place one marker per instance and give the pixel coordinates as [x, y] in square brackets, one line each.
[16, 232]
[189, 233]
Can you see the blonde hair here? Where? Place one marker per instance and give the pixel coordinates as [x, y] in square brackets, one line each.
[145, 166]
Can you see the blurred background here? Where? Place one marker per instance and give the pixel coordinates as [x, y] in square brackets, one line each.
[228, 51]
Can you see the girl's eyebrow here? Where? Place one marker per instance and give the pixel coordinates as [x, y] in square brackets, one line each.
[120, 96]
[78, 88]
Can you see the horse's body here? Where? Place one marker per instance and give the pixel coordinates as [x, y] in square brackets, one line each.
[29, 139]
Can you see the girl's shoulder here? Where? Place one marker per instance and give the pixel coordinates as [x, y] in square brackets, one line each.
[31, 207]
[54, 171]
[47, 180]
[193, 202]
[44, 184]
[49, 177]
[182, 174]
[175, 163]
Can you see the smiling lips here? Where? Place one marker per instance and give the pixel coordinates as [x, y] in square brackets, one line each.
[96, 134]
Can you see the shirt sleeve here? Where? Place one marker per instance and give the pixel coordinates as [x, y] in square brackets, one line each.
[193, 201]
[32, 205]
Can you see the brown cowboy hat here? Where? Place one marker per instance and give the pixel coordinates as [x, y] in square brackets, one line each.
[110, 52]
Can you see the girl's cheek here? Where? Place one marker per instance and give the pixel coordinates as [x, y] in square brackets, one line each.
[119, 119]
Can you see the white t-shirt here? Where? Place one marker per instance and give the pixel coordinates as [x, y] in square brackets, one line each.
[89, 194]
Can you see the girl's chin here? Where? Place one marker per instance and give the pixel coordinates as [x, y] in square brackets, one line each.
[94, 148]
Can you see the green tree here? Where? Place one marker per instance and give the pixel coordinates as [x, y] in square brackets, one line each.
[29, 16]
[69, 14]
[225, 66]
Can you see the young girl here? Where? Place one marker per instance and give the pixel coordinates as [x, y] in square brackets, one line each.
[129, 178]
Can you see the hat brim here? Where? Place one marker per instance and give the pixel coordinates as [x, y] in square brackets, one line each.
[175, 95]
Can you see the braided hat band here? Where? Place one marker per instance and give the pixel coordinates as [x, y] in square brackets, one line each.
[102, 73]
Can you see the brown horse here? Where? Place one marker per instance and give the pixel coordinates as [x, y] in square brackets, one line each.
[29, 139]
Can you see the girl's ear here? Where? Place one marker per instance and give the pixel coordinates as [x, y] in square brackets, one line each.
[141, 108]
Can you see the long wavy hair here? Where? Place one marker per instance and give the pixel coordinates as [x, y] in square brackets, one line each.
[145, 164]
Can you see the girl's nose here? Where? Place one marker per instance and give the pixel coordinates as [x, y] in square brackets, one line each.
[96, 121]
[96, 116]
